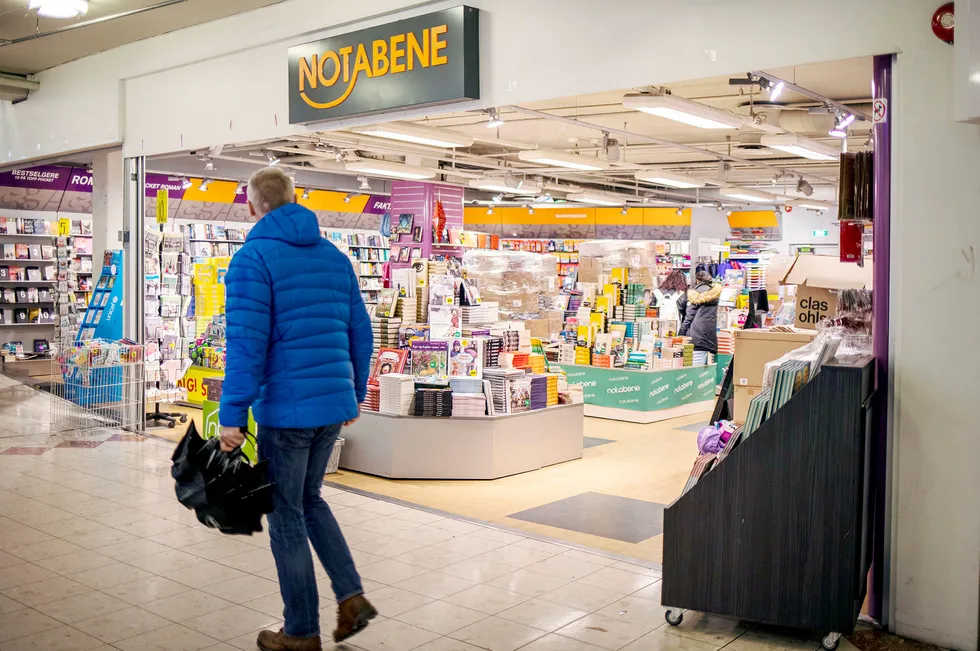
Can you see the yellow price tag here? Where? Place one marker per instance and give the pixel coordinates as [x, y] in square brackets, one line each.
[163, 206]
[64, 227]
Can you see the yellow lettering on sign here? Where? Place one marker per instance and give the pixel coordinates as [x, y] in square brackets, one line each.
[361, 63]
[379, 58]
[437, 44]
[397, 53]
[306, 73]
[329, 56]
[417, 51]
[345, 52]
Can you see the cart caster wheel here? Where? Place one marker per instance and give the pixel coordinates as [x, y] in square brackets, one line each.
[674, 617]
[831, 641]
[171, 424]
[183, 419]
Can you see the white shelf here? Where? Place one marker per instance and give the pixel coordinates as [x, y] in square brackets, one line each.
[23, 261]
[218, 241]
[50, 237]
[26, 325]
[28, 282]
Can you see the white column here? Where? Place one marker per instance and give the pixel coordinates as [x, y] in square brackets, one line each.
[108, 204]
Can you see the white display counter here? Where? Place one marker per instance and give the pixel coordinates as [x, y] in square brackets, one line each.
[487, 447]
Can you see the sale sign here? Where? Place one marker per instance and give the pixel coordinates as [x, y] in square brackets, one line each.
[193, 381]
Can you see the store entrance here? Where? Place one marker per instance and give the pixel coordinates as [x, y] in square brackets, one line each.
[559, 287]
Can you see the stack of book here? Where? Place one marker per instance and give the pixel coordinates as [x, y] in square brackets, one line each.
[397, 391]
[493, 346]
[469, 404]
[466, 384]
[602, 361]
[552, 379]
[700, 358]
[385, 332]
[373, 400]
[537, 363]
[407, 309]
[433, 402]
[758, 412]
[726, 342]
[688, 354]
[539, 391]
[502, 386]
[514, 360]
[566, 354]
[475, 314]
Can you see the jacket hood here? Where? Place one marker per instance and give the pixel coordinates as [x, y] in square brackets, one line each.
[704, 294]
[290, 223]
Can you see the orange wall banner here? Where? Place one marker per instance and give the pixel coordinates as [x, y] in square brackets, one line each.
[333, 201]
[217, 192]
[753, 219]
[477, 216]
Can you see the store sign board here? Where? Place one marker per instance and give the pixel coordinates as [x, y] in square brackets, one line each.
[419, 61]
[193, 381]
[378, 205]
[212, 428]
[45, 177]
[155, 182]
[643, 390]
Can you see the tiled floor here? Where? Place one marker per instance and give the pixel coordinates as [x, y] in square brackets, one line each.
[96, 555]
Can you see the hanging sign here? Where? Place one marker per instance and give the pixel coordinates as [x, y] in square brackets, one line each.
[163, 205]
[879, 114]
[420, 61]
[64, 227]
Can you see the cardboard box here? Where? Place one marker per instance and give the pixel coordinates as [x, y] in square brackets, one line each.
[588, 269]
[818, 278]
[753, 348]
[743, 396]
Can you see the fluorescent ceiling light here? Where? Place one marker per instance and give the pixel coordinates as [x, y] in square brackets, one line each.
[800, 146]
[597, 198]
[417, 134]
[500, 184]
[745, 194]
[811, 204]
[390, 170]
[683, 110]
[59, 8]
[669, 179]
[561, 159]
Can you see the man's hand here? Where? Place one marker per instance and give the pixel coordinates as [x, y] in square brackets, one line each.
[353, 420]
[231, 438]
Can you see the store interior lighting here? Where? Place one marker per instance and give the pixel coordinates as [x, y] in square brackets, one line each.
[185, 183]
[507, 185]
[391, 170]
[204, 185]
[775, 90]
[306, 194]
[208, 164]
[745, 194]
[669, 179]
[272, 158]
[800, 146]
[495, 120]
[683, 110]
[810, 204]
[240, 188]
[597, 198]
[803, 187]
[59, 8]
[561, 159]
[365, 183]
[417, 134]
[347, 198]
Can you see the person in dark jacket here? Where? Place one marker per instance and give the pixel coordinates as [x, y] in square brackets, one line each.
[298, 347]
[700, 310]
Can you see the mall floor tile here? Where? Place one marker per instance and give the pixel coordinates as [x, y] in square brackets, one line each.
[86, 567]
[593, 441]
[623, 518]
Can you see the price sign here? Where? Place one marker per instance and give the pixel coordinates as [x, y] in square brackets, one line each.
[163, 206]
[64, 227]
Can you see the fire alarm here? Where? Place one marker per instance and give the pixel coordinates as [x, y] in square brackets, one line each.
[942, 23]
[788, 208]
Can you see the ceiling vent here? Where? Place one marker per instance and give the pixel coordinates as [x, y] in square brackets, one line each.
[750, 141]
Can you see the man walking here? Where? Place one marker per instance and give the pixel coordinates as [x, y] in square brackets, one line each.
[299, 345]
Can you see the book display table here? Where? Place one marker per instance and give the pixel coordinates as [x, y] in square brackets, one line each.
[483, 447]
[644, 396]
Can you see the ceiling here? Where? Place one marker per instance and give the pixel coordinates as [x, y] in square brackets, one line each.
[719, 157]
[34, 55]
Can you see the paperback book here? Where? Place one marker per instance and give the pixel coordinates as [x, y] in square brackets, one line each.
[430, 362]
[390, 360]
[466, 358]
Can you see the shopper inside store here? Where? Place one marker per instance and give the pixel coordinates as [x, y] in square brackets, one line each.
[361, 329]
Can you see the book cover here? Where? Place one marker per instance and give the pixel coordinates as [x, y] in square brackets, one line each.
[416, 253]
[417, 234]
[9, 296]
[405, 223]
[430, 362]
[414, 332]
[33, 274]
[386, 303]
[445, 321]
[9, 252]
[23, 251]
[405, 255]
[390, 360]
[20, 316]
[466, 358]
[395, 251]
[519, 394]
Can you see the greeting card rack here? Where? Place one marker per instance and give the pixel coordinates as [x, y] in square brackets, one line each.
[778, 532]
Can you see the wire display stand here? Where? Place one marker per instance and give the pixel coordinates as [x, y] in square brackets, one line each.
[99, 384]
[161, 387]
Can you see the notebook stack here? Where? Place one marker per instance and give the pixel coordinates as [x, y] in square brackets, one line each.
[688, 354]
[602, 361]
[469, 404]
[637, 360]
[373, 400]
[397, 391]
[583, 355]
[700, 358]
[539, 391]
[501, 383]
[433, 402]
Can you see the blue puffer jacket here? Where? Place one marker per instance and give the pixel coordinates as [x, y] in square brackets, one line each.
[299, 338]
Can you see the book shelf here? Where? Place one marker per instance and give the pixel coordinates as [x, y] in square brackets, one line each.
[368, 251]
[778, 532]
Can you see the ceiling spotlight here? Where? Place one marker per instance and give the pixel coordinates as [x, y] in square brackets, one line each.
[495, 120]
[185, 183]
[720, 207]
[804, 187]
[490, 210]
[624, 211]
[497, 198]
[59, 8]
[679, 212]
[208, 163]
[776, 91]
[306, 194]
[530, 210]
[840, 126]
[347, 198]
[204, 185]
[365, 183]
[240, 188]
[776, 177]
[272, 158]
[846, 122]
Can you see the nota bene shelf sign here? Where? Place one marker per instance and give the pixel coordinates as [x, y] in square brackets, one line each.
[643, 390]
[420, 61]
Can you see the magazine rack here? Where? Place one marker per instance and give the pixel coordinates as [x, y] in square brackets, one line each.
[778, 532]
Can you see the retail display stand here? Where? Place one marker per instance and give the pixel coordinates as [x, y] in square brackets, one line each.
[779, 531]
[644, 396]
[479, 447]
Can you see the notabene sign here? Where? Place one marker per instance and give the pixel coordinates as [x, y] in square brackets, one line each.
[419, 61]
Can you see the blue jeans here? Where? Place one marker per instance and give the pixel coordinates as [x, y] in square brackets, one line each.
[297, 461]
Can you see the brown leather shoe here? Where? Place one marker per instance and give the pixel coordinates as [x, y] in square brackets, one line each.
[352, 616]
[269, 641]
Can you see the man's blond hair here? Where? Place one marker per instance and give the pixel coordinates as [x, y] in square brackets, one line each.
[270, 188]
